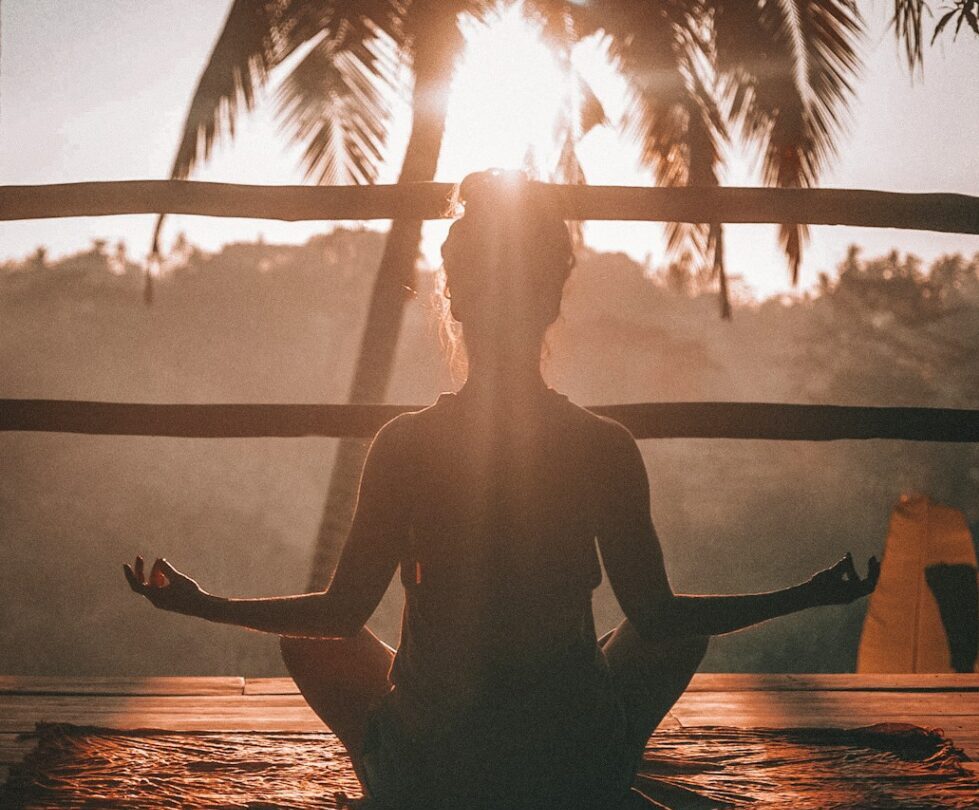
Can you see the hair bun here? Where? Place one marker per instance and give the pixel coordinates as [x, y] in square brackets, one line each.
[492, 188]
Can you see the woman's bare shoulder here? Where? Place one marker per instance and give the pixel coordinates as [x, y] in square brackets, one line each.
[401, 431]
[611, 433]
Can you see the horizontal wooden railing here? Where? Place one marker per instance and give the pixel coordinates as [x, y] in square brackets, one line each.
[648, 420]
[956, 213]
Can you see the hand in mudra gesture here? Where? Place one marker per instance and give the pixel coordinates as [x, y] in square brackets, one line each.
[166, 588]
[841, 584]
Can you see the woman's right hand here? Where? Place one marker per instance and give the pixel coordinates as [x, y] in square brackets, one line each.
[841, 584]
[167, 588]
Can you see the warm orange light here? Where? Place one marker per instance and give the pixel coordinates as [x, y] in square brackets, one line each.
[508, 95]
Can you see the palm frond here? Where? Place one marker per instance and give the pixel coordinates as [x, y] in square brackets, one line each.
[582, 112]
[247, 49]
[591, 111]
[907, 22]
[336, 103]
[672, 110]
[967, 12]
[258, 35]
[789, 92]
[652, 53]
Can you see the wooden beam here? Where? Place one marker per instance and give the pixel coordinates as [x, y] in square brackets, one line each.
[955, 213]
[648, 420]
[167, 685]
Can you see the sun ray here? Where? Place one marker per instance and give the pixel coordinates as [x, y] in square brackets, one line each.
[508, 93]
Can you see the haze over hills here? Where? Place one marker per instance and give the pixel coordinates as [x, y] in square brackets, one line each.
[272, 323]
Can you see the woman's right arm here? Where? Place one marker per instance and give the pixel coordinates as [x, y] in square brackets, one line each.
[367, 563]
[630, 549]
[633, 560]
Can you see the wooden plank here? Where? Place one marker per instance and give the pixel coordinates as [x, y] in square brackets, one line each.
[304, 721]
[296, 719]
[955, 213]
[645, 420]
[744, 682]
[947, 702]
[748, 682]
[838, 703]
[49, 704]
[108, 685]
[955, 713]
[790, 705]
[20, 713]
[270, 686]
[950, 724]
[215, 702]
[968, 741]
[702, 682]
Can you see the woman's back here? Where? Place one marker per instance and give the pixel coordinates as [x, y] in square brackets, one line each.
[501, 557]
[498, 657]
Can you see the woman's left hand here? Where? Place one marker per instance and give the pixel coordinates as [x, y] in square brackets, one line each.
[167, 588]
[841, 584]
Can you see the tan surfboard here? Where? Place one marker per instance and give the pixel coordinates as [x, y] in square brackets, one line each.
[929, 557]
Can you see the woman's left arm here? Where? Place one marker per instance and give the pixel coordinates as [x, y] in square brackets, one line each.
[839, 584]
[367, 563]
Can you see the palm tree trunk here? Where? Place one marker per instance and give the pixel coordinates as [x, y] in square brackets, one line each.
[380, 338]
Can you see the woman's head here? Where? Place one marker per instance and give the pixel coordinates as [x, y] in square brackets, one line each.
[506, 261]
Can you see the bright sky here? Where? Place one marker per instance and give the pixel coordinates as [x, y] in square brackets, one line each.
[98, 89]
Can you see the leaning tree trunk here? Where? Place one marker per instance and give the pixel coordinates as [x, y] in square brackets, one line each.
[380, 338]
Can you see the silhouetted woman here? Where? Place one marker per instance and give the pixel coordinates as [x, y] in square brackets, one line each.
[490, 502]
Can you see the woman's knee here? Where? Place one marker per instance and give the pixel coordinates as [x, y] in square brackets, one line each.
[341, 679]
[626, 635]
[304, 655]
[363, 659]
[671, 659]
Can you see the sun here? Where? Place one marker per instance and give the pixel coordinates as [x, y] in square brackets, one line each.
[509, 102]
[507, 99]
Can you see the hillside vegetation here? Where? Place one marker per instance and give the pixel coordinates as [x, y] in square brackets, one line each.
[264, 323]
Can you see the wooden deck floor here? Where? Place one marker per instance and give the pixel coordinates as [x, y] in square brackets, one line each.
[948, 702]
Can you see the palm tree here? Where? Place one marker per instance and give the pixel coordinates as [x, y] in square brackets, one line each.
[777, 71]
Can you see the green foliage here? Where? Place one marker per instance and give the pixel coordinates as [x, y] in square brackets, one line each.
[912, 332]
[280, 323]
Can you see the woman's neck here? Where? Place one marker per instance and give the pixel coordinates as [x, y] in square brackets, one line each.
[510, 381]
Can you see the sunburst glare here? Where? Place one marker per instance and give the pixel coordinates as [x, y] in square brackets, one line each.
[508, 95]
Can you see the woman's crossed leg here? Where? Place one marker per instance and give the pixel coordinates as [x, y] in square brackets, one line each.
[344, 679]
